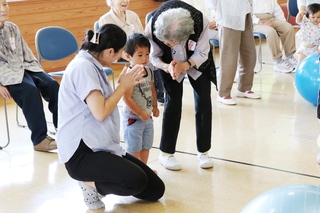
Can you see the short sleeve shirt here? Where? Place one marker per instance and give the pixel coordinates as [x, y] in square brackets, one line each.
[83, 75]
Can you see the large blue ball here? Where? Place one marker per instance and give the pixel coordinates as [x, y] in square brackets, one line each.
[307, 78]
[287, 199]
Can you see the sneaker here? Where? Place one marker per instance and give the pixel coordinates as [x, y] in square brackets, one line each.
[292, 60]
[318, 158]
[205, 162]
[248, 94]
[226, 100]
[46, 145]
[283, 66]
[170, 162]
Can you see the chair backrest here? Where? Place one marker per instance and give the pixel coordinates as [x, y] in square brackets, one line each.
[293, 10]
[54, 43]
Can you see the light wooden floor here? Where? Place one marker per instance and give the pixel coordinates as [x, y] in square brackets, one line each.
[257, 145]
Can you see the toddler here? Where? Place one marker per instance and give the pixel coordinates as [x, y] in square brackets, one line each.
[140, 101]
[309, 34]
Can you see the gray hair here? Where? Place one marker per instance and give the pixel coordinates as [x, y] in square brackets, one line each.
[174, 25]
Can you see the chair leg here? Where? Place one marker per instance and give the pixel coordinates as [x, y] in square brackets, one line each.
[259, 56]
[7, 124]
[17, 118]
[25, 125]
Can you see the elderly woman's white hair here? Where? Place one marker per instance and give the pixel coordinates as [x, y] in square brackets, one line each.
[174, 25]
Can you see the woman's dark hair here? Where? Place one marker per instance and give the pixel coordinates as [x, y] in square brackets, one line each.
[136, 40]
[312, 9]
[108, 36]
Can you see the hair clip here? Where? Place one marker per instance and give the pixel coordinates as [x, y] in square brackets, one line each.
[95, 38]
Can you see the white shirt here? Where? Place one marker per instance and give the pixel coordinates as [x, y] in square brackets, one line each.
[132, 24]
[231, 13]
[201, 6]
[306, 2]
[267, 7]
[83, 75]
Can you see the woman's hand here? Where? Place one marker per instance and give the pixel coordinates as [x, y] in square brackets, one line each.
[129, 77]
[5, 93]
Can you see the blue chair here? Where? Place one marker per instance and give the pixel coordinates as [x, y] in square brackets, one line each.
[293, 10]
[55, 43]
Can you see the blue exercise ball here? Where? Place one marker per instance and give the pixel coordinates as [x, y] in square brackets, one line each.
[287, 199]
[307, 78]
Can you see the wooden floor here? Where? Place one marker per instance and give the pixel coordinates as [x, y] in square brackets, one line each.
[257, 145]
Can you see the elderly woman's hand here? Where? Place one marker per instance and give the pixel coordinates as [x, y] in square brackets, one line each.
[4, 92]
[178, 68]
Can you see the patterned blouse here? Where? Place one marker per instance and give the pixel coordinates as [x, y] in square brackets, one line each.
[309, 32]
[15, 55]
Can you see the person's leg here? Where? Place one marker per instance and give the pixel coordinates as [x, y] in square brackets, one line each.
[272, 38]
[171, 114]
[27, 97]
[203, 111]
[147, 140]
[228, 59]
[203, 115]
[287, 36]
[113, 174]
[49, 89]
[247, 57]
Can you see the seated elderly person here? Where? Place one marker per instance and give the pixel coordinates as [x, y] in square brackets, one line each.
[268, 18]
[22, 78]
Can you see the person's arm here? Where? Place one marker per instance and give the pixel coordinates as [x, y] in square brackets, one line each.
[299, 17]
[202, 48]
[301, 5]
[101, 107]
[155, 110]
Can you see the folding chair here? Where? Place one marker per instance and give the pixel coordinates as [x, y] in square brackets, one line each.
[293, 10]
[7, 124]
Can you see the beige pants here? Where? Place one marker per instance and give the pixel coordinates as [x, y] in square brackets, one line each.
[236, 47]
[281, 30]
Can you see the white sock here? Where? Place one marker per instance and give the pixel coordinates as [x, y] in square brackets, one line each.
[90, 196]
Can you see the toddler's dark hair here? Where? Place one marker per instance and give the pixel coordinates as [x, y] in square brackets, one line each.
[136, 40]
[312, 9]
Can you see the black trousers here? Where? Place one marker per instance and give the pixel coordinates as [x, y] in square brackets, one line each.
[173, 108]
[113, 174]
[27, 96]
